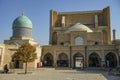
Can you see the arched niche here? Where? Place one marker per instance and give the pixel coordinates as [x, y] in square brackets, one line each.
[94, 60]
[62, 60]
[111, 60]
[48, 60]
[79, 40]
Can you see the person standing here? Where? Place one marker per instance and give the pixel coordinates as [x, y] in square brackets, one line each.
[108, 63]
[6, 68]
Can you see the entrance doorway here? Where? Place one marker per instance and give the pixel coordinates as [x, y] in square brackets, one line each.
[62, 60]
[78, 60]
[48, 60]
[16, 64]
[94, 60]
[111, 60]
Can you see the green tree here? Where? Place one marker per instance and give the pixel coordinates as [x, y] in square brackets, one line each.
[25, 53]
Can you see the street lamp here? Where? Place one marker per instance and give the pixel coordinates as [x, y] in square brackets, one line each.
[1, 52]
[70, 55]
[85, 56]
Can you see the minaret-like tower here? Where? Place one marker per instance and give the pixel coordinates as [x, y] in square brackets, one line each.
[114, 34]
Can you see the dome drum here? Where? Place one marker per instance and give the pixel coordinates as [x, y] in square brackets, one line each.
[23, 32]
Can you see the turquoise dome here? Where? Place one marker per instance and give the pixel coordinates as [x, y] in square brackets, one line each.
[22, 21]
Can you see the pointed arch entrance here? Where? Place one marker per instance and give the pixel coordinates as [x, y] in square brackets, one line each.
[48, 60]
[62, 60]
[94, 60]
[16, 63]
[111, 60]
[78, 60]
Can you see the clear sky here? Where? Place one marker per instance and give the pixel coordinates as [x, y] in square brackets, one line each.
[38, 12]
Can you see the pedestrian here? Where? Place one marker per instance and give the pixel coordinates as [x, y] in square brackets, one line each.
[108, 63]
[45, 63]
[6, 68]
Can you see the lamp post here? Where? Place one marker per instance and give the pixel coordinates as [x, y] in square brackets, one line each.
[85, 56]
[1, 52]
[117, 50]
[70, 55]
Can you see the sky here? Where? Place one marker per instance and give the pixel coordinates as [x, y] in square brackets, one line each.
[38, 12]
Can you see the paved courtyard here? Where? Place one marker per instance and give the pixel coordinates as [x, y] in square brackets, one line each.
[52, 74]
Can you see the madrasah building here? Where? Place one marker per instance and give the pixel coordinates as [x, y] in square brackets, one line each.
[76, 39]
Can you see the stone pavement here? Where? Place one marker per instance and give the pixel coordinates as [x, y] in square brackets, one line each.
[52, 74]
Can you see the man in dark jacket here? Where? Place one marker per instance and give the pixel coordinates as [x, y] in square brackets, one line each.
[6, 69]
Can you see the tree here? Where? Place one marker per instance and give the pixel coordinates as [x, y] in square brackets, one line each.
[25, 53]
